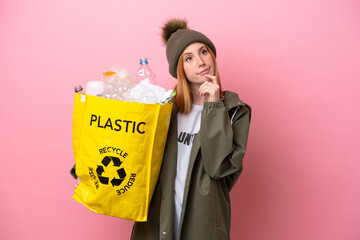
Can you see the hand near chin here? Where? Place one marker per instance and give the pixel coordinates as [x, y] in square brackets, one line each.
[210, 89]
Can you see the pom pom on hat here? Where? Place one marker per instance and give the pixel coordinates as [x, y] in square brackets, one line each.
[172, 26]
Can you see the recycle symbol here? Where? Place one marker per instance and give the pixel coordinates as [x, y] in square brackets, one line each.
[120, 172]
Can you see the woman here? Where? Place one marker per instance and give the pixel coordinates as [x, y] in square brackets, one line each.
[205, 145]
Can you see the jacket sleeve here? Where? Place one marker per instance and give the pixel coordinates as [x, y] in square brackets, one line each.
[223, 142]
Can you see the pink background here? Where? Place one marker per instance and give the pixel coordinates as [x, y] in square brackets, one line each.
[295, 62]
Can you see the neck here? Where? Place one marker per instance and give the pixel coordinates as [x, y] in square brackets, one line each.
[197, 99]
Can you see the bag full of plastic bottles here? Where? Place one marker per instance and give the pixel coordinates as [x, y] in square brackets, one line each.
[120, 127]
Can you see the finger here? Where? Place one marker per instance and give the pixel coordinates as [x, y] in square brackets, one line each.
[202, 89]
[212, 94]
[211, 77]
[207, 90]
[205, 85]
[208, 83]
[210, 89]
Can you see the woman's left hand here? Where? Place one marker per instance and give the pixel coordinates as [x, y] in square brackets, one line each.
[210, 89]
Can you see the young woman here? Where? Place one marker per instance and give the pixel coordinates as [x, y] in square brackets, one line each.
[205, 145]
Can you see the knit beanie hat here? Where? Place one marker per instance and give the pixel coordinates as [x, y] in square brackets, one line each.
[177, 37]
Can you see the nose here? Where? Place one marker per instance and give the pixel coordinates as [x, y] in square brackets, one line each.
[200, 61]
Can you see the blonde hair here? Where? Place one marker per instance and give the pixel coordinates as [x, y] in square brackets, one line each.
[184, 98]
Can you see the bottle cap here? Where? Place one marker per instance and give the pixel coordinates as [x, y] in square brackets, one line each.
[78, 88]
[143, 61]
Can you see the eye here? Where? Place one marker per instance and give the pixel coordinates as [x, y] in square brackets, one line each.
[204, 51]
[187, 59]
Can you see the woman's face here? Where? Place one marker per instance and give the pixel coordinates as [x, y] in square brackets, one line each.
[197, 62]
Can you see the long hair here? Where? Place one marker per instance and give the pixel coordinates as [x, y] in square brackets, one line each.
[184, 98]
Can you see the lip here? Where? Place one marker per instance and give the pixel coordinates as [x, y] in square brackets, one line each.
[205, 71]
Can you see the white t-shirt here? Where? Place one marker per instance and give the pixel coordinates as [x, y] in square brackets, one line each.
[188, 127]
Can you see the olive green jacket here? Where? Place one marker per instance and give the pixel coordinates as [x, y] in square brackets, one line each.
[215, 165]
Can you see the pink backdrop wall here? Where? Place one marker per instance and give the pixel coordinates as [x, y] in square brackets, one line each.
[295, 62]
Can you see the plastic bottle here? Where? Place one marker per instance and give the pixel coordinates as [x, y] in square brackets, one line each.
[79, 89]
[95, 88]
[144, 72]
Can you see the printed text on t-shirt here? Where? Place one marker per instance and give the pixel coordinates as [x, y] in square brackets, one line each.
[186, 138]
